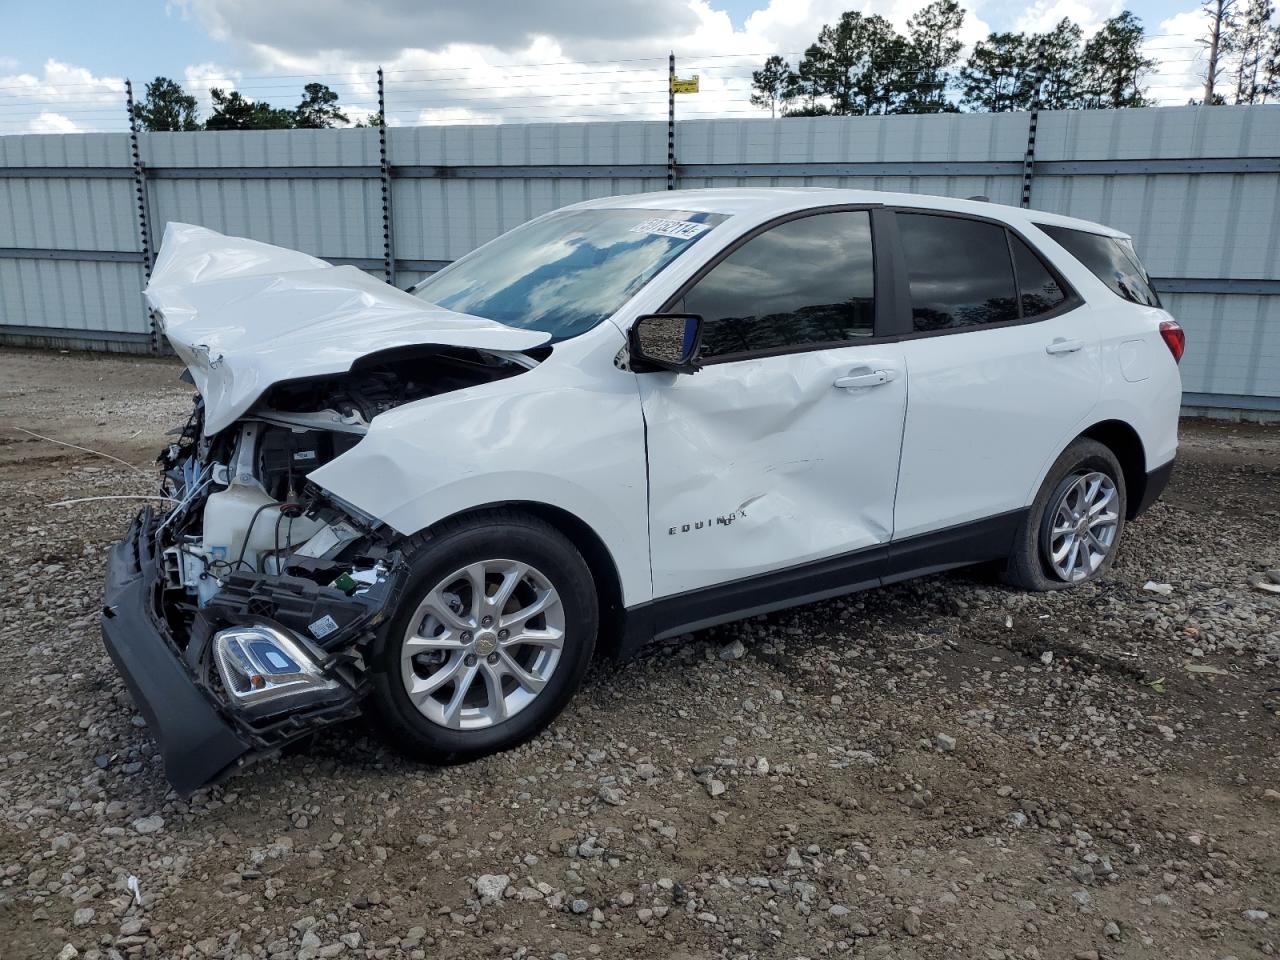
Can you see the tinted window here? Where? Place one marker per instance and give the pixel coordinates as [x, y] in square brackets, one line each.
[959, 271]
[805, 281]
[567, 272]
[1040, 292]
[1111, 260]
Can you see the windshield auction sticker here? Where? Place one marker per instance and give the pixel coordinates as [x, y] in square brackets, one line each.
[680, 229]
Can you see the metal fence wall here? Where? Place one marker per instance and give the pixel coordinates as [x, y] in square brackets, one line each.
[1198, 188]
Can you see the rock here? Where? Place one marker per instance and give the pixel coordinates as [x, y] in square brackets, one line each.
[83, 916]
[1272, 795]
[793, 859]
[944, 742]
[715, 787]
[151, 824]
[579, 906]
[733, 650]
[1163, 589]
[68, 952]
[611, 795]
[626, 898]
[352, 940]
[490, 886]
[1256, 916]
[911, 924]
[1112, 930]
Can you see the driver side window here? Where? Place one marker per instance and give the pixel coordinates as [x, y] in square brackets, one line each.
[805, 282]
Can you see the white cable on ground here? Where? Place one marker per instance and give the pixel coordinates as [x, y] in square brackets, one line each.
[76, 446]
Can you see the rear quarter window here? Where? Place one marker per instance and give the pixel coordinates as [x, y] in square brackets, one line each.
[1110, 259]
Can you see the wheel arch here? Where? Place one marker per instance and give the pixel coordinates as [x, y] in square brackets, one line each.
[1124, 441]
[600, 560]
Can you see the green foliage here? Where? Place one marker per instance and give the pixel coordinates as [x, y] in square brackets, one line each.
[1114, 66]
[232, 111]
[998, 75]
[167, 107]
[318, 109]
[772, 84]
[862, 66]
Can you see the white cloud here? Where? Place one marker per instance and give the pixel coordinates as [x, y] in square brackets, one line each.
[61, 98]
[1041, 16]
[49, 122]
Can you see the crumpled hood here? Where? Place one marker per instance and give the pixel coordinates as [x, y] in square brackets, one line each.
[244, 315]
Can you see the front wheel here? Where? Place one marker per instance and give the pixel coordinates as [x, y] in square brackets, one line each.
[492, 637]
[1073, 528]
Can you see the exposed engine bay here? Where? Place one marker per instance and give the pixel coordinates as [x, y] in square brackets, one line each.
[270, 588]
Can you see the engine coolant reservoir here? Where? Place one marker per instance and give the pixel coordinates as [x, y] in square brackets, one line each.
[229, 519]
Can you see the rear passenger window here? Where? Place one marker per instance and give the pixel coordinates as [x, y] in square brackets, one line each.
[802, 283]
[1039, 291]
[1111, 260]
[960, 272]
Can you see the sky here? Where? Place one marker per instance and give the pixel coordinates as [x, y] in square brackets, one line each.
[63, 63]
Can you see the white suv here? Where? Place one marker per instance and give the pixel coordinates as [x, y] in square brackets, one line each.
[633, 417]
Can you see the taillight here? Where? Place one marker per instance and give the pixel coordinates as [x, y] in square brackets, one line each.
[1174, 338]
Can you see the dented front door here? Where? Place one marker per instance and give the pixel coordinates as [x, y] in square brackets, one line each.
[765, 463]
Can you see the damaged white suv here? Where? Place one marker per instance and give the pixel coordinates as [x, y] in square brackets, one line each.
[630, 418]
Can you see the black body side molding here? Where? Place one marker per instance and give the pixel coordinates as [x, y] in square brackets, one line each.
[958, 546]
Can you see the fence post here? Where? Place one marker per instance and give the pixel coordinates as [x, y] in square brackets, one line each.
[144, 218]
[1029, 160]
[671, 120]
[384, 166]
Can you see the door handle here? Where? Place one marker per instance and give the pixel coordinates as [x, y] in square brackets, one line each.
[1062, 345]
[856, 381]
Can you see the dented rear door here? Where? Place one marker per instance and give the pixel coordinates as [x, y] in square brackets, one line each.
[784, 448]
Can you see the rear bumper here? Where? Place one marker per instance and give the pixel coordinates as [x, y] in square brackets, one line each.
[198, 744]
[1157, 480]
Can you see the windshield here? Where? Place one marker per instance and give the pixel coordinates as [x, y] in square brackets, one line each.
[567, 272]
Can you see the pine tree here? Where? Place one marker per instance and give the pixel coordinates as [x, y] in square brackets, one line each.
[856, 66]
[933, 47]
[1061, 65]
[772, 85]
[1221, 16]
[167, 107]
[999, 74]
[318, 109]
[1114, 65]
[1250, 33]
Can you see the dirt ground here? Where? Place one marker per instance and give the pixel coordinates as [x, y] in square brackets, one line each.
[942, 768]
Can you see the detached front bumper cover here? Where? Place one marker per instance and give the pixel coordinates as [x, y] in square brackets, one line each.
[197, 743]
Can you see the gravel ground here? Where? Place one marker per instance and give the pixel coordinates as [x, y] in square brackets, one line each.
[941, 768]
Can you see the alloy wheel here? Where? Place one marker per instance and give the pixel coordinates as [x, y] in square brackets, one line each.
[1085, 521]
[482, 644]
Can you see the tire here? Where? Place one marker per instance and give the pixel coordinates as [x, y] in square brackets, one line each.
[495, 543]
[1032, 564]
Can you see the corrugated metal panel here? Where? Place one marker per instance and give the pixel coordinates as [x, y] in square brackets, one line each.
[1207, 226]
[1233, 343]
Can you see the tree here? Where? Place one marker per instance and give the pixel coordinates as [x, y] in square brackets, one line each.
[1061, 66]
[999, 74]
[933, 47]
[318, 109]
[1271, 67]
[772, 84]
[1221, 17]
[1114, 65]
[231, 111]
[1250, 38]
[856, 66]
[372, 120]
[167, 107]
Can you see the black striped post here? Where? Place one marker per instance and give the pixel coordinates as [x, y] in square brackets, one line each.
[384, 167]
[140, 194]
[671, 121]
[1029, 160]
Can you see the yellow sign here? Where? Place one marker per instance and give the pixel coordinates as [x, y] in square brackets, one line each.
[685, 86]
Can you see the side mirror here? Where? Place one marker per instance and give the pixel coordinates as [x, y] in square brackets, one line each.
[665, 341]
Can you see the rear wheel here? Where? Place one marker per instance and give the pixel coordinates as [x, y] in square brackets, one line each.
[492, 636]
[1073, 528]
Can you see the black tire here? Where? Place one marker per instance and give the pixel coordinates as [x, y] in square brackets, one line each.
[1029, 566]
[432, 556]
